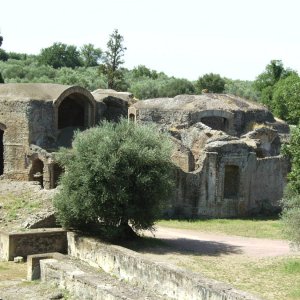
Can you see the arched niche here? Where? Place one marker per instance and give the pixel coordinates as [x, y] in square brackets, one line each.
[74, 110]
[36, 172]
[132, 114]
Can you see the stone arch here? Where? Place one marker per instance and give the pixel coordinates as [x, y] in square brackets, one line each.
[2, 129]
[217, 120]
[74, 109]
[36, 172]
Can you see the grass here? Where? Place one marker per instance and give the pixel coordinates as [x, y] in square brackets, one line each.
[257, 228]
[270, 278]
[10, 270]
[16, 204]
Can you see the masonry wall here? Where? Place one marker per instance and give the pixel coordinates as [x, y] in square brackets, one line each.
[268, 181]
[166, 280]
[33, 242]
[13, 115]
[42, 131]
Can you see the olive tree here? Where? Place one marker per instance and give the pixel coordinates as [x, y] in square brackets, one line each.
[116, 175]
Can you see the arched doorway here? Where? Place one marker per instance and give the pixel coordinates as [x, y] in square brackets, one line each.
[74, 112]
[37, 172]
[1, 152]
[71, 113]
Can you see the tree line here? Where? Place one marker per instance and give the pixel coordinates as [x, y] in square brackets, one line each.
[277, 87]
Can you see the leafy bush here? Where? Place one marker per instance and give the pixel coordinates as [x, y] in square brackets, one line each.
[291, 199]
[214, 83]
[116, 174]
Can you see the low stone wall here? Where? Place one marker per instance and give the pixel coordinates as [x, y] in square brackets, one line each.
[161, 278]
[85, 283]
[32, 242]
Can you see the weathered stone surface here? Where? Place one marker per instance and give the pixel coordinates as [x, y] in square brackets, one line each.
[163, 279]
[219, 143]
[84, 282]
[36, 119]
[32, 242]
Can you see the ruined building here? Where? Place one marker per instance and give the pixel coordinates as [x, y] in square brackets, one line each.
[227, 151]
[37, 119]
[226, 148]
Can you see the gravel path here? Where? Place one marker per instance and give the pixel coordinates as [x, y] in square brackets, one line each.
[217, 244]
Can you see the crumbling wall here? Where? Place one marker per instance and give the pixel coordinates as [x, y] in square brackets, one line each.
[13, 117]
[267, 182]
[41, 124]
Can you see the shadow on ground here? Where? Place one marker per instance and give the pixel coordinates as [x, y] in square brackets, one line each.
[182, 246]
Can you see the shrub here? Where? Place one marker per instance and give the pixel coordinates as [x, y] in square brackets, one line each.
[116, 174]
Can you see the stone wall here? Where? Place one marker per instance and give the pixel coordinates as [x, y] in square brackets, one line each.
[268, 181]
[42, 131]
[32, 242]
[166, 280]
[15, 140]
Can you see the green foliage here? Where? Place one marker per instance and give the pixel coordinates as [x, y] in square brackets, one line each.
[162, 86]
[116, 174]
[60, 55]
[274, 71]
[142, 72]
[267, 82]
[292, 151]
[90, 55]
[112, 61]
[29, 70]
[213, 83]
[3, 55]
[285, 99]
[291, 214]
[241, 88]
[1, 78]
[1, 40]
[291, 199]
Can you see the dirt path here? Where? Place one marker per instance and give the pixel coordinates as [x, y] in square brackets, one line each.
[216, 244]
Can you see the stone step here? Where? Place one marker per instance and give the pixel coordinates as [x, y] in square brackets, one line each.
[85, 282]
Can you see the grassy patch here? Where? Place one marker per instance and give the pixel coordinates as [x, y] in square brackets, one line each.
[11, 271]
[267, 277]
[271, 229]
[14, 204]
[292, 266]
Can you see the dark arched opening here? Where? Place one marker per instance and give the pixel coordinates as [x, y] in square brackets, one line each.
[132, 117]
[73, 113]
[231, 182]
[216, 123]
[1, 152]
[37, 171]
[57, 171]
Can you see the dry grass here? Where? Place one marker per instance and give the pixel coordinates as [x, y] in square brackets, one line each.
[271, 229]
[12, 271]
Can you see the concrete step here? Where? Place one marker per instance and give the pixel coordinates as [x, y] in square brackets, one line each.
[85, 282]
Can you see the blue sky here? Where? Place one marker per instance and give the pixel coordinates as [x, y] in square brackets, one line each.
[186, 39]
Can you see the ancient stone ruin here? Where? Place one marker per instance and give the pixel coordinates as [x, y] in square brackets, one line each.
[37, 119]
[226, 148]
[227, 151]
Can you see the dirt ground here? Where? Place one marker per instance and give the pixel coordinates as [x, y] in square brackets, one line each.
[217, 244]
